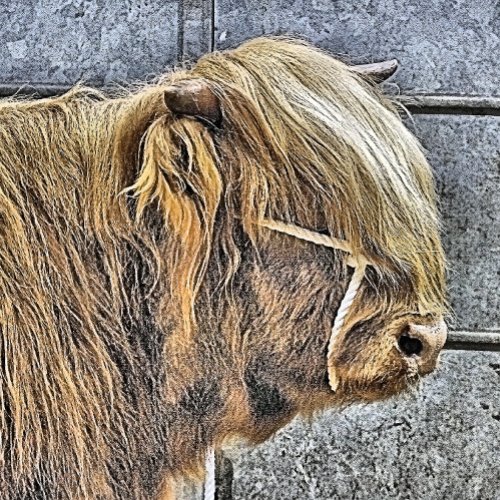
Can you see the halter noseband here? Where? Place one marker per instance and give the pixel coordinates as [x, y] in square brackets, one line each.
[358, 262]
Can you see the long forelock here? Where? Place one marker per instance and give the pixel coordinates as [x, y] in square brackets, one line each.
[320, 146]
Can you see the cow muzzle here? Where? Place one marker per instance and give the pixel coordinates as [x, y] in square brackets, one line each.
[422, 344]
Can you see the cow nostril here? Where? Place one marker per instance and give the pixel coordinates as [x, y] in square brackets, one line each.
[410, 346]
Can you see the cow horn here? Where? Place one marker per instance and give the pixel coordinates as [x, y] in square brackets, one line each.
[193, 98]
[377, 72]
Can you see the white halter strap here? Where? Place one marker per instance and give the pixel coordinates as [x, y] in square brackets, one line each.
[358, 262]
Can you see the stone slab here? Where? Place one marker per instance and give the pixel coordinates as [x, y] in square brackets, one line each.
[61, 42]
[443, 443]
[465, 153]
[197, 29]
[443, 47]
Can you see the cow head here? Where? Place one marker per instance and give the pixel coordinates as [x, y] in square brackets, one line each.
[279, 131]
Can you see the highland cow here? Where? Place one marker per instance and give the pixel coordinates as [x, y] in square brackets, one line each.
[150, 308]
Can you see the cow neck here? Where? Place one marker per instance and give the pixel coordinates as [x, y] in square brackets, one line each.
[359, 263]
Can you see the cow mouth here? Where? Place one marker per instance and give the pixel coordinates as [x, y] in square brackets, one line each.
[406, 381]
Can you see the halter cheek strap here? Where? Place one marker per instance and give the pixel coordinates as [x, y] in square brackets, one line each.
[358, 262]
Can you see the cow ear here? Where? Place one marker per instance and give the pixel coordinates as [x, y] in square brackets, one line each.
[193, 98]
[179, 176]
[377, 72]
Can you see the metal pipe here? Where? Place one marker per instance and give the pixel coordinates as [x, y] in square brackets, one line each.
[451, 104]
[32, 89]
[418, 104]
[473, 341]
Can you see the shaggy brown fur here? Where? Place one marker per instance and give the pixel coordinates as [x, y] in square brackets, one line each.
[140, 326]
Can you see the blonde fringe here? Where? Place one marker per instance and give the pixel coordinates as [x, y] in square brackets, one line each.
[318, 146]
[309, 143]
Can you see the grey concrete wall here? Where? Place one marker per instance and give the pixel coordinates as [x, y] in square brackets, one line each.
[465, 153]
[61, 42]
[443, 443]
[443, 46]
